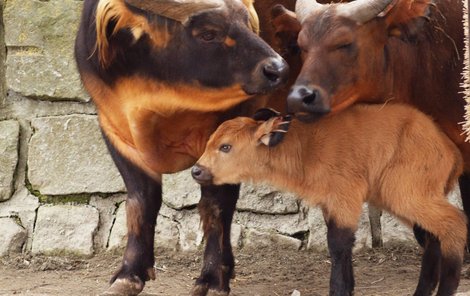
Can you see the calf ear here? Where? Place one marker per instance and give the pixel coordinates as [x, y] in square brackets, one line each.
[287, 28]
[265, 114]
[272, 131]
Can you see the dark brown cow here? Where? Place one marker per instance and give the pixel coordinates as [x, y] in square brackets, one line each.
[163, 75]
[384, 51]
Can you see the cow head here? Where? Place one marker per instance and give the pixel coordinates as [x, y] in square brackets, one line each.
[239, 149]
[202, 45]
[343, 48]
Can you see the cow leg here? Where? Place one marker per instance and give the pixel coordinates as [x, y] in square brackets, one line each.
[430, 265]
[340, 244]
[375, 226]
[216, 208]
[464, 185]
[142, 205]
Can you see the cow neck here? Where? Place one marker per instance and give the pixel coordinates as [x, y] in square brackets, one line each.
[151, 125]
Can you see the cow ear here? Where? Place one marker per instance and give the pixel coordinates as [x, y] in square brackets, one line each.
[111, 17]
[272, 131]
[287, 28]
[407, 13]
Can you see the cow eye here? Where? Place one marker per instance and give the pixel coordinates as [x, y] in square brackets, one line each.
[208, 35]
[344, 46]
[225, 148]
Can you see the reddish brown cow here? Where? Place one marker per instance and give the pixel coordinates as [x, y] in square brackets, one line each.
[163, 75]
[334, 163]
[384, 51]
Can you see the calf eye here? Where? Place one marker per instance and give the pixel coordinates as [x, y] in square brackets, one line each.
[225, 148]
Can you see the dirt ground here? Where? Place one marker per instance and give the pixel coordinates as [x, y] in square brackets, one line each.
[263, 272]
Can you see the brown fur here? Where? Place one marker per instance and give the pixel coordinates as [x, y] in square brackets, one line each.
[391, 156]
[180, 134]
[133, 210]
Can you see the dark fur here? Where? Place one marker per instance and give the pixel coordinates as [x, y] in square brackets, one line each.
[143, 201]
[340, 244]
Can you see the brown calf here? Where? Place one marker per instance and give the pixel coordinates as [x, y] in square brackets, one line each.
[390, 156]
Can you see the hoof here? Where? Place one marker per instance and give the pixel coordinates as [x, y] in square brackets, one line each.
[217, 293]
[203, 290]
[125, 287]
[199, 290]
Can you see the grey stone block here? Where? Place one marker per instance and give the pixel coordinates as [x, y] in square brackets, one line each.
[65, 228]
[265, 199]
[191, 234]
[13, 237]
[317, 230]
[9, 137]
[39, 36]
[67, 155]
[236, 232]
[22, 205]
[118, 235]
[283, 224]
[107, 208]
[180, 190]
[167, 232]
[255, 239]
[395, 231]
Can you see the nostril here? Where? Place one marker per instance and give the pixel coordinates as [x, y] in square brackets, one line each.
[196, 171]
[309, 98]
[272, 73]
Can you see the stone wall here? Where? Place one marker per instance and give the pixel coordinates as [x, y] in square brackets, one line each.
[60, 191]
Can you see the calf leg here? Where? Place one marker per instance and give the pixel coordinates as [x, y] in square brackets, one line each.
[142, 206]
[340, 244]
[216, 208]
[430, 266]
[448, 225]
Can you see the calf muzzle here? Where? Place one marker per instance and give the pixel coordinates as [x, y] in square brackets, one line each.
[201, 174]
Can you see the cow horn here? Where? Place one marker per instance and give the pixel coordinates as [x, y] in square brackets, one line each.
[304, 7]
[362, 11]
[178, 10]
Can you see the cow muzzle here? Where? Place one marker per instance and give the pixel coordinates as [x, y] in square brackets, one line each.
[201, 174]
[307, 103]
[268, 75]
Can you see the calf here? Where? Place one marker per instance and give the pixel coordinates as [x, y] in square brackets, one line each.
[391, 156]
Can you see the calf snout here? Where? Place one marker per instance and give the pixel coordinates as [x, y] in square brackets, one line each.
[307, 102]
[201, 174]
